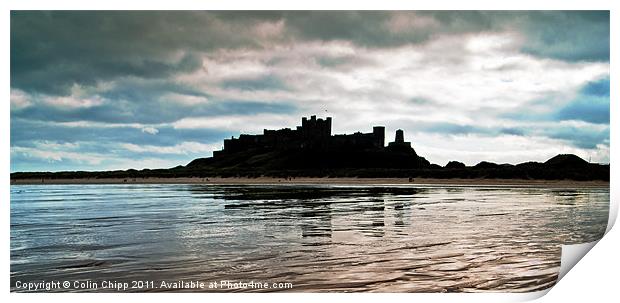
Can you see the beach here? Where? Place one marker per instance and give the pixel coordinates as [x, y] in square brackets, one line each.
[319, 181]
[313, 238]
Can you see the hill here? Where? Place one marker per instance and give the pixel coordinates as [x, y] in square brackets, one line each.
[276, 164]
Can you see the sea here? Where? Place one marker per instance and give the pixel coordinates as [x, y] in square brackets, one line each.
[295, 238]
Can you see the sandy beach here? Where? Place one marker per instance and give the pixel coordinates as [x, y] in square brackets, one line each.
[339, 181]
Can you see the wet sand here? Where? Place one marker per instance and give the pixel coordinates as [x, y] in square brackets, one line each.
[326, 181]
[317, 238]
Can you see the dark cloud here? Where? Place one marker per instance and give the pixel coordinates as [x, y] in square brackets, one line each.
[570, 36]
[588, 109]
[597, 88]
[512, 131]
[421, 101]
[136, 90]
[451, 128]
[590, 105]
[564, 35]
[335, 61]
[51, 51]
[366, 28]
[580, 137]
[148, 111]
[269, 82]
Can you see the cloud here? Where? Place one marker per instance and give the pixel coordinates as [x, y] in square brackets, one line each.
[179, 149]
[150, 130]
[570, 36]
[598, 88]
[450, 128]
[587, 108]
[51, 51]
[24, 132]
[19, 100]
[591, 104]
[239, 123]
[98, 155]
[32, 159]
[261, 83]
[55, 152]
[581, 135]
[163, 108]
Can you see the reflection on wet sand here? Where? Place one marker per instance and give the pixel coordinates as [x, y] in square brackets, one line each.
[320, 238]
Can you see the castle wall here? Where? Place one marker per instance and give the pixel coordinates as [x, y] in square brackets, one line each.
[312, 134]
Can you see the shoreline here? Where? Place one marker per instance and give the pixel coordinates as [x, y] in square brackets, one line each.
[321, 181]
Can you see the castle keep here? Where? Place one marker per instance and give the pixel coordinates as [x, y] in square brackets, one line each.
[315, 134]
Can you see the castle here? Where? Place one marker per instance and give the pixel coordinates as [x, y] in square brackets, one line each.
[315, 134]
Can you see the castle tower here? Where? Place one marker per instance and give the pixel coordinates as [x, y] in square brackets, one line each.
[328, 126]
[400, 136]
[399, 144]
[379, 133]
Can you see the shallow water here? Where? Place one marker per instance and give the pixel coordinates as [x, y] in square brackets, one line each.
[318, 238]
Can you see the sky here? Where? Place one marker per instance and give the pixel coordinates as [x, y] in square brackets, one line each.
[119, 89]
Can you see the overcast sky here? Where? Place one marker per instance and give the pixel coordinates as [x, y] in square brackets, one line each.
[118, 90]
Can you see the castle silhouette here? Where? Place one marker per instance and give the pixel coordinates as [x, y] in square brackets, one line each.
[315, 135]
